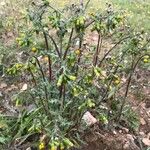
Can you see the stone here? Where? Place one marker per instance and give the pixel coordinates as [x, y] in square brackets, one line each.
[142, 121]
[125, 130]
[3, 85]
[89, 119]
[146, 141]
[24, 87]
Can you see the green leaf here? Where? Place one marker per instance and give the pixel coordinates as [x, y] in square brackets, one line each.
[112, 92]
[97, 71]
[2, 140]
[103, 118]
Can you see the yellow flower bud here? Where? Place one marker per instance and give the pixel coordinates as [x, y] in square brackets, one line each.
[145, 60]
[34, 49]
[18, 39]
[45, 59]
[146, 57]
[53, 147]
[62, 147]
[41, 146]
[117, 82]
[20, 43]
[77, 52]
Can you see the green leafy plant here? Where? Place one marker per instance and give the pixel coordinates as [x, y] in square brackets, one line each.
[63, 82]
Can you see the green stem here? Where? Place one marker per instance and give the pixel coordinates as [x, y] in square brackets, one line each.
[86, 5]
[69, 43]
[79, 57]
[63, 92]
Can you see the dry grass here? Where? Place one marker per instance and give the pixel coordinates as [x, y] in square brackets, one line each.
[138, 11]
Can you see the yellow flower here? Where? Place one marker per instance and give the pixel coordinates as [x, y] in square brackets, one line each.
[145, 60]
[18, 39]
[75, 92]
[53, 147]
[62, 147]
[20, 43]
[34, 49]
[41, 146]
[117, 82]
[146, 57]
[22, 35]
[91, 13]
[38, 129]
[77, 52]
[45, 59]
[18, 66]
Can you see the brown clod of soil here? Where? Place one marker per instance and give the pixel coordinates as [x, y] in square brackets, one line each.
[108, 141]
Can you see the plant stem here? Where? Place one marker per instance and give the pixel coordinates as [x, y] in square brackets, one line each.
[44, 79]
[69, 43]
[49, 59]
[114, 73]
[63, 92]
[98, 48]
[46, 111]
[55, 45]
[86, 5]
[40, 67]
[61, 46]
[79, 57]
[33, 78]
[112, 49]
[133, 67]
